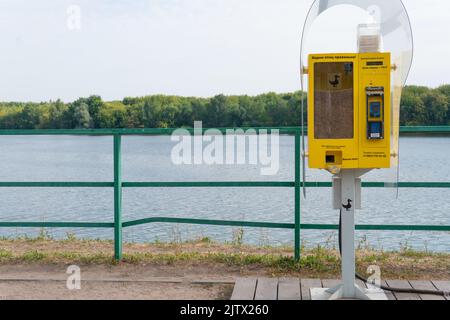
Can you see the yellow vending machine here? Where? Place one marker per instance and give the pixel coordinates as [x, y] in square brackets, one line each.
[349, 109]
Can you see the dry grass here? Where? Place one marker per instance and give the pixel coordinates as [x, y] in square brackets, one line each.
[276, 261]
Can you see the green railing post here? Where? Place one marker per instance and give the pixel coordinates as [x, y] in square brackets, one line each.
[297, 197]
[117, 197]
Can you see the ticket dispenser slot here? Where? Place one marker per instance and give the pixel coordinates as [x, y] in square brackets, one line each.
[375, 113]
[333, 158]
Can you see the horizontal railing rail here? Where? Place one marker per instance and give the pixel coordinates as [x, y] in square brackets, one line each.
[224, 184]
[167, 131]
[118, 184]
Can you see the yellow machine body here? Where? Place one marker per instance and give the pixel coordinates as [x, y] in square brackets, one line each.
[349, 111]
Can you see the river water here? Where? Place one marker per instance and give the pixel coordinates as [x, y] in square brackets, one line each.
[86, 158]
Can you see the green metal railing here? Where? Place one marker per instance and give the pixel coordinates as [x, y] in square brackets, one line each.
[118, 184]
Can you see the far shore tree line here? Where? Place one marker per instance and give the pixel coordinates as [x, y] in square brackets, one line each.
[419, 106]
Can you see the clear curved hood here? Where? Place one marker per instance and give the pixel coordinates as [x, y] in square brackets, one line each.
[391, 16]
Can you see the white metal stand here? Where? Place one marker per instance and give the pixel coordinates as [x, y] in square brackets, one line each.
[348, 179]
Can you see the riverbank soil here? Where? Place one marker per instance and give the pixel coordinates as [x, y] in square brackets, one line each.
[124, 281]
[38, 268]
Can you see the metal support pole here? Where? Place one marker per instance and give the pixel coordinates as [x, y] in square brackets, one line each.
[297, 197]
[117, 198]
[348, 233]
[349, 199]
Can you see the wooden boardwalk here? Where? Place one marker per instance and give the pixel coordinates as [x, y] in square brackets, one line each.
[298, 289]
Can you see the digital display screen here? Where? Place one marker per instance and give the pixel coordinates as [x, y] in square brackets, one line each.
[375, 109]
[375, 63]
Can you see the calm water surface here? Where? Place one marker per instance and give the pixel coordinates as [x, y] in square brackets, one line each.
[69, 158]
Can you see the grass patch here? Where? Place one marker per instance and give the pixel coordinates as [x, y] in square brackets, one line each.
[5, 255]
[33, 256]
[314, 262]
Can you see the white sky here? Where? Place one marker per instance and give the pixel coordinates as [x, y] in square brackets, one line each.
[182, 47]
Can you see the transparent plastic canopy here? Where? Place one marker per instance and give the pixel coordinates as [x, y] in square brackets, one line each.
[390, 15]
[333, 26]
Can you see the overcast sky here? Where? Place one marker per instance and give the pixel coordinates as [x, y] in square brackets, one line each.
[183, 47]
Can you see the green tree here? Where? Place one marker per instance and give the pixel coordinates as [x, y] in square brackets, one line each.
[95, 104]
[184, 116]
[412, 111]
[436, 105]
[81, 116]
[56, 115]
[215, 110]
[445, 90]
[29, 117]
[419, 106]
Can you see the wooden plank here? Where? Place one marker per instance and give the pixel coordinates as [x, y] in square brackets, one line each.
[389, 294]
[442, 285]
[425, 285]
[289, 289]
[266, 289]
[330, 283]
[244, 289]
[402, 284]
[306, 285]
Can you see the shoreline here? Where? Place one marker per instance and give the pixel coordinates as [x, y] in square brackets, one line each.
[204, 254]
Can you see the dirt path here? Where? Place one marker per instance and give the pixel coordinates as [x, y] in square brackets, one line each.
[38, 281]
